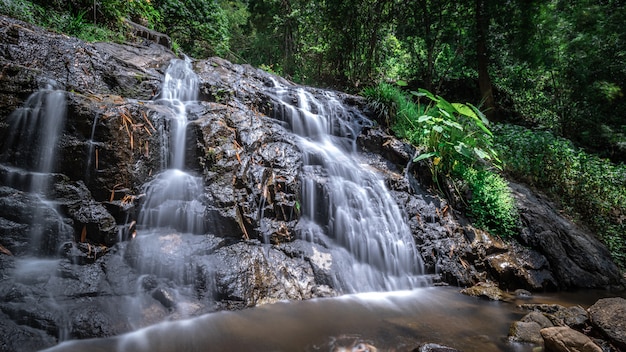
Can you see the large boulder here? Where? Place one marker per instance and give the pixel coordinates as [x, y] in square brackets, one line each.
[609, 316]
[565, 339]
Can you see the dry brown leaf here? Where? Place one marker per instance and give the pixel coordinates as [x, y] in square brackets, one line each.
[83, 234]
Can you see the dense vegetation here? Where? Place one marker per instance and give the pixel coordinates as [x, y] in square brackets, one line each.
[557, 67]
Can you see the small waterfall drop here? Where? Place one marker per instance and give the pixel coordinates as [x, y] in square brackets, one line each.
[29, 155]
[36, 127]
[172, 213]
[345, 204]
[172, 197]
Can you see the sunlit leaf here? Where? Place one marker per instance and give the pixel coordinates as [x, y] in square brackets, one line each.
[464, 110]
[424, 156]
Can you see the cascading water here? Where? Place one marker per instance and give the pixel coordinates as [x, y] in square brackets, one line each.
[172, 197]
[172, 212]
[345, 204]
[30, 149]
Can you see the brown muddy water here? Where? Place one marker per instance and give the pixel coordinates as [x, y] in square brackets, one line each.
[392, 321]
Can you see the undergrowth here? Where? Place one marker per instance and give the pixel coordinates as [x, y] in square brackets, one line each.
[585, 184]
[457, 143]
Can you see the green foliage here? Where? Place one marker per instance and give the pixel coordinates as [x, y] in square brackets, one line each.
[453, 134]
[491, 205]
[199, 27]
[456, 138]
[22, 10]
[587, 185]
[74, 23]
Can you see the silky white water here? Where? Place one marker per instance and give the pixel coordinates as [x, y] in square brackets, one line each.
[172, 196]
[345, 204]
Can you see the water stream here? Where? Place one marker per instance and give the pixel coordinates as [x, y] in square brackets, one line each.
[346, 204]
[172, 196]
[30, 150]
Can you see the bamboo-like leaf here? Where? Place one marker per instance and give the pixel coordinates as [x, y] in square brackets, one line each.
[424, 156]
[145, 117]
[424, 118]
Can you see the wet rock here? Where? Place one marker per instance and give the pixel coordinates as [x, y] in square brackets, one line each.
[165, 297]
[521, 267]
[255, 274]
[488, 290]
[33, 225]
[22, 338]
[528, 328]
[609, 316]
[522, 331]
[433, 347]
[574, 317]
[541, 319]
[565, 339]
[92, 221]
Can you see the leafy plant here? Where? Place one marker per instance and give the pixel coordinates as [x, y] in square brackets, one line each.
[457, 140]
[453, 134]
[491, 204]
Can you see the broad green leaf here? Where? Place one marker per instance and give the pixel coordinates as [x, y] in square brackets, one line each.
[453, 124]
[445, 105]
[464, 110]
[438, 128]
[481, 153]
[428, 94]
[462, 149]
[402, 83]
[482, 116]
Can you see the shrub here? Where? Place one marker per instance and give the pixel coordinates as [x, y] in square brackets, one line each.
[491, 205]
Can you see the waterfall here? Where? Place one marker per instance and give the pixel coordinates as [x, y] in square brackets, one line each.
[172, 197]
[172, 212]
[345, 203]
[28, 156]
[31, 146]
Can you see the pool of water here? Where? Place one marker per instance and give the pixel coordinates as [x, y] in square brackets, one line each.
[393, 321]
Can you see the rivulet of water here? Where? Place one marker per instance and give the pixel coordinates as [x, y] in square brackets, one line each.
[345, 202]
[172, 196]
[29, 155]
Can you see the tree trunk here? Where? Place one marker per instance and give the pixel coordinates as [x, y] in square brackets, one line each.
[484, 81]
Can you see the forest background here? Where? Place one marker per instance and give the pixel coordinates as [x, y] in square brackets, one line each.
[550, 74]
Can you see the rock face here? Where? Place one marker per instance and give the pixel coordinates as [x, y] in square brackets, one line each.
[577, 258]
[92, 271]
